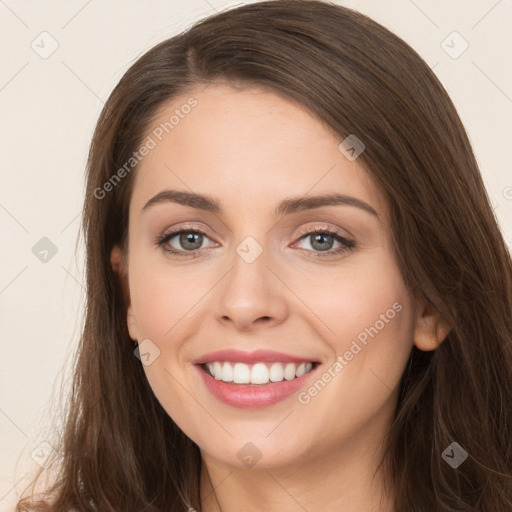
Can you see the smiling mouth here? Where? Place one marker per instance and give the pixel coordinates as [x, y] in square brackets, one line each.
[257, 374]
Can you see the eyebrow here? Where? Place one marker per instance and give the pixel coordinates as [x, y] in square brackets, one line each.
[285, 207]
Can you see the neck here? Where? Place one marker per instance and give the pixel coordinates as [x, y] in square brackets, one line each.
[344, 480]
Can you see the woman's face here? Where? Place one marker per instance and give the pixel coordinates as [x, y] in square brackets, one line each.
[263, 262]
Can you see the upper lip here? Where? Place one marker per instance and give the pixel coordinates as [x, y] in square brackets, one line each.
[241, 356]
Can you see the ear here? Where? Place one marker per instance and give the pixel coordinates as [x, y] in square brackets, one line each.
[431, 329]
[120, 267]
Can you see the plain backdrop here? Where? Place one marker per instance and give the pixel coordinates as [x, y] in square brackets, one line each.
[59, 62]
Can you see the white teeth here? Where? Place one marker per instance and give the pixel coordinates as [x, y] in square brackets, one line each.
[227, 373]
[301, 370]
[276, 372]
[289, 371]
[217, 370]
[241, 374]
[259, 373]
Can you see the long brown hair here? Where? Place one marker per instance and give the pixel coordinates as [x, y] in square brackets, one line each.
[120, 450]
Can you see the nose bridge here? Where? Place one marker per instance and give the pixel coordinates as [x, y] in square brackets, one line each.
[250, 249]
[250, 241]
[249, 267]
[250, 290]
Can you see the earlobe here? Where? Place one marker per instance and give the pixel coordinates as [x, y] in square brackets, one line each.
[132, 324]
[443, 328]
[431, 329]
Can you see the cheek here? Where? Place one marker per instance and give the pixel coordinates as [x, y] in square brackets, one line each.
[365, 308]
[361, 300]
[164, 298]
[162, 301]
[369, 313]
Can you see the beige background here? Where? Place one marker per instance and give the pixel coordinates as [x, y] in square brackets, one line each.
[50, 104]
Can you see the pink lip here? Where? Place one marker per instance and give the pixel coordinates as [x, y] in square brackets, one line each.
[257, 356]
[252, 396]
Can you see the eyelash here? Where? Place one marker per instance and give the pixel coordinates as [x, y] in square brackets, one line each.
[347, 244]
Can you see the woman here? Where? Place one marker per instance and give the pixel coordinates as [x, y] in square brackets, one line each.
[298, 297]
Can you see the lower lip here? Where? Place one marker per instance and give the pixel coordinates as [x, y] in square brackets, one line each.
[252, 396]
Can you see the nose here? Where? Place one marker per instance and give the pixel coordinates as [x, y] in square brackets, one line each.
[251, 294]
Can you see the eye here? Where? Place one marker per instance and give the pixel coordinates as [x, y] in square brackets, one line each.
[189, 241]
[321, 241]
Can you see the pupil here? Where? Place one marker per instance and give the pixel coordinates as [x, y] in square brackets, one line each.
[191, 238]
[317, 239]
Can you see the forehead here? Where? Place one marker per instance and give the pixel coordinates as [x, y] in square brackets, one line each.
[248, 147]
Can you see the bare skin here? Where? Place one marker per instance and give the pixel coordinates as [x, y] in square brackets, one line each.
[250, 149]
